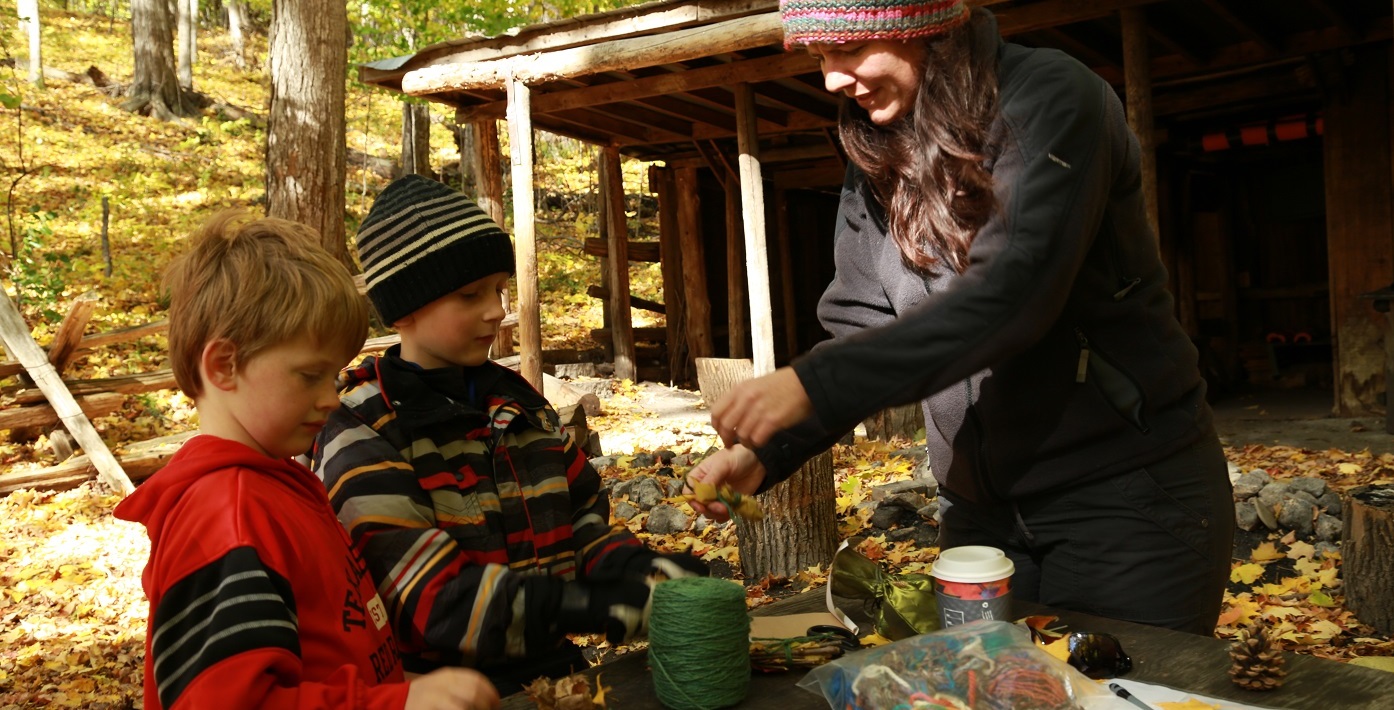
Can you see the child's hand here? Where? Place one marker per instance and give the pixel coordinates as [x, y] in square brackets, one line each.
[452, 689]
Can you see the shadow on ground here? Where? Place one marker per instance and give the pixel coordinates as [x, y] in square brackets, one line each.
[1297, 417]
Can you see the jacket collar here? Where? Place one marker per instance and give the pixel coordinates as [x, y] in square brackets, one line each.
[421, 397]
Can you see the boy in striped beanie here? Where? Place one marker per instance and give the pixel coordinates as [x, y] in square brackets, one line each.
[484, 525]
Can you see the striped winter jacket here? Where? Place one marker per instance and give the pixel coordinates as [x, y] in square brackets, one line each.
[256, 598]
[470, 503]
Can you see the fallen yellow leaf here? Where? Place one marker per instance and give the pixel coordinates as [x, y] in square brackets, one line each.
[1348, 468]
[1190, 704]
[1246, 573]
[1265, 553]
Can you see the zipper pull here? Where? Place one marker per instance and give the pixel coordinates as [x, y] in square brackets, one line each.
[1132, 283]
[1082, 369]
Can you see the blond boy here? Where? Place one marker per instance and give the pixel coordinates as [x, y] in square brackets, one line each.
[256, 598]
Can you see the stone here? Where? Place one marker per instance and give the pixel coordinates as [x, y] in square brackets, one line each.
[908, 500]
[666, 520]
[1273, 494]
[1326, 549]
[624, 510]
[673, 486]
[926, 536]
[1297, 515]
[887, 517]
[665, 456]
[620, 489]
[681, 460]
[1249, 484]
[890, 490]
[600, 463]
[1245, 516]
[1265, 513]
[1315, 487]
[1262, 474]
[567, 370]
[1330, 502]
[646, 493]
[1234, 471]
[930, 511]
[901, 534]
[643, 460]
[701, 524]
[665, 472]
[1328, 528]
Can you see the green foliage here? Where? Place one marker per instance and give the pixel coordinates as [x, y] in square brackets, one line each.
[39, 273]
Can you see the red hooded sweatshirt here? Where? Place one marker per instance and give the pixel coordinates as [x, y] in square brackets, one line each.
[257, 599]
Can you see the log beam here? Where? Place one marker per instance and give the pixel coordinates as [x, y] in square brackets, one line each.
[676, 46]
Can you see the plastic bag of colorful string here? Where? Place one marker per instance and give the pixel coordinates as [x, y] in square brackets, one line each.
[985, 665]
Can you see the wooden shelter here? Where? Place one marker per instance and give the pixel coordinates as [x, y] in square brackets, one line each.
[1266, 131]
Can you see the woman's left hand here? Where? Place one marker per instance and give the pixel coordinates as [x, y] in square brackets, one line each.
[752, 411]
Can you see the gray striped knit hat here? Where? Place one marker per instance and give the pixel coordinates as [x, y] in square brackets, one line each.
[422, 240]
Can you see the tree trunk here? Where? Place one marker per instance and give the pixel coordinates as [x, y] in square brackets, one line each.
[800, 525]
[1367, 547]
[188, 42]
[236, 18]
[29, 24]
[904, 422]
[416, 139]
[154, 90]
[305, 150]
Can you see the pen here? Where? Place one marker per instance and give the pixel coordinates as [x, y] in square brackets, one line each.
[1123, 693]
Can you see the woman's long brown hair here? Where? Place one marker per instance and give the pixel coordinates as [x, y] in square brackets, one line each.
[926, 169]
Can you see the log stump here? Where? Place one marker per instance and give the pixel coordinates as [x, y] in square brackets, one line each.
[903, 422]
[1367, 550]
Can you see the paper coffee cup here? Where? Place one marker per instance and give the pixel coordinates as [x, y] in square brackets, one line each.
[971, 583]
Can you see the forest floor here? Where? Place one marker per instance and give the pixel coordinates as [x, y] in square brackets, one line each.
[72, 613]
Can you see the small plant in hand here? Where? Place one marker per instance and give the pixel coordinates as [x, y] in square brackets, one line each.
[740, 505]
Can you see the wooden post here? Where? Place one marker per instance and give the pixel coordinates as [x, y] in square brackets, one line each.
[22, 347]
[757, 254]
[106, 241]
[674, 301]
[621, 325]
[524, 232]
[1137, 81]
[1360, 254]
[786, 272]
[737, 326]
[694, 264]
[488, 180]
[1367, 550]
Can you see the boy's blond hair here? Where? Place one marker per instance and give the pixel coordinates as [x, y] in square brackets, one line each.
[258, 283]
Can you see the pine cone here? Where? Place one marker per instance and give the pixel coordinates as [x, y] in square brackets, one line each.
[1258, 661]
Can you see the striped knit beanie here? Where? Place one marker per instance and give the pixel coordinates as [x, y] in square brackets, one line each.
[422, 240]
[834, 21]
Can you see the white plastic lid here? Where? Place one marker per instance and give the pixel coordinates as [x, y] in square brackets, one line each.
[972, 563]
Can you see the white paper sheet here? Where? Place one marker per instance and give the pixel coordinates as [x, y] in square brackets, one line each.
[1153, 694]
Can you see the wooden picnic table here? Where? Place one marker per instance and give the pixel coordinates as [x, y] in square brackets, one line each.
[1188, 662]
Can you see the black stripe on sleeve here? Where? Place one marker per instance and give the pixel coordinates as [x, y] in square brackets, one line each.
[231, 605]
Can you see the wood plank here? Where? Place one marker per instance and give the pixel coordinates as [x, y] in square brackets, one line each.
[668, 83]
[644, 304]
[121, 384]
[22, 347]
[648, 252]
[140, 461]
[1250, 28]
[676, 46]
[42, 415]
[757, 253]
[525, 232]
[621, 323]
[68, 337]
[1054, 13]
[788, 297]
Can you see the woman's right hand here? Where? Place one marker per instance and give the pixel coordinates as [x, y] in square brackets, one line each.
[452, 689]
[737, 467]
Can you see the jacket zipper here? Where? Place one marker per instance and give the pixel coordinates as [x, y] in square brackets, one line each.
[1082, 373]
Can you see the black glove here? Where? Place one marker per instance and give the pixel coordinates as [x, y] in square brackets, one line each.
[618, 608]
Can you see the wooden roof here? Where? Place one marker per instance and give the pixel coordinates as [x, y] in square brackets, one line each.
[655, 80]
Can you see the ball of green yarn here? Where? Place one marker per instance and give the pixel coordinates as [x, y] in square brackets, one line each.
[699, 643]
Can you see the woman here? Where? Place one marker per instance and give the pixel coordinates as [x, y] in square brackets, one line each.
[994, 260]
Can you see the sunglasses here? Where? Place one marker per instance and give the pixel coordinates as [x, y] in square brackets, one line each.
[1098, 655]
